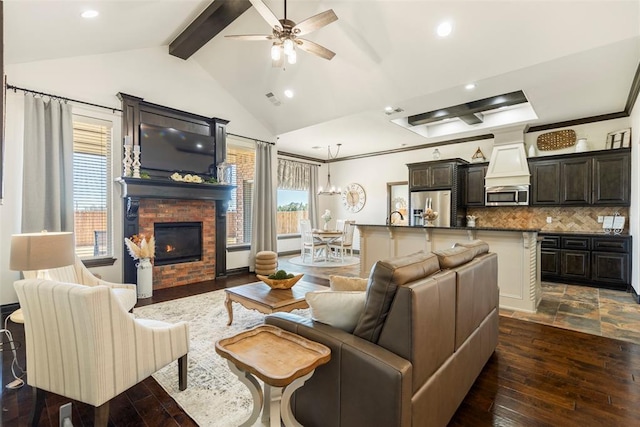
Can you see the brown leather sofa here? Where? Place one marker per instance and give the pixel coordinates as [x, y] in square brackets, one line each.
[429, 325]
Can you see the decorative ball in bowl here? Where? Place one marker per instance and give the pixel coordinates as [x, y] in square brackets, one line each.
[280, 283]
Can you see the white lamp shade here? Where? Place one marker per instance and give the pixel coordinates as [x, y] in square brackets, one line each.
[41, 251]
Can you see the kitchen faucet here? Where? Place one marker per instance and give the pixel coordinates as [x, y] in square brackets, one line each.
[390, 219]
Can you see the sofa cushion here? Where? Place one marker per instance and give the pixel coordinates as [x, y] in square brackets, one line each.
[385, 278]
[479, 246]
[338, 309]
[453, 257]
[344, 283]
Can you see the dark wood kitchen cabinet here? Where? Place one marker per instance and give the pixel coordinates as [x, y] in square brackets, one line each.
[545, 182]
[474, 185]
[594, 260]
[611, 179]
[575, 181]
[436, 175]
[593, 178]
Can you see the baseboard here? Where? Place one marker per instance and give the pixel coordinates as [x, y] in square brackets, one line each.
[239, 270]
[9, 308]
[635, 295]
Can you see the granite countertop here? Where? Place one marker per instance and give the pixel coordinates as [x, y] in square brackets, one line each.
[521, 230]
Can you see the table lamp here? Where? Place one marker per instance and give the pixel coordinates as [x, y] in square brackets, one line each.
[40, 252]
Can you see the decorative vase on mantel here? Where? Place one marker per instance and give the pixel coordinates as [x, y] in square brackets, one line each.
[145, 278]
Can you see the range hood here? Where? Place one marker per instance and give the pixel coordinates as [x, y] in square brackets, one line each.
[508, 165]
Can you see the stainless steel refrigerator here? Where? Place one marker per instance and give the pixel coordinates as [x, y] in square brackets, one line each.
[439, 201]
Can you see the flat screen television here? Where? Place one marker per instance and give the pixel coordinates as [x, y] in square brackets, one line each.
[173, 150]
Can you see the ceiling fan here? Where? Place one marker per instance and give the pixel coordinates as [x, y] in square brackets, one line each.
[286, 34]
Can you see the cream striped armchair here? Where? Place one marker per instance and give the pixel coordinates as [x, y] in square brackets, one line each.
[78, 273]
[82, 344]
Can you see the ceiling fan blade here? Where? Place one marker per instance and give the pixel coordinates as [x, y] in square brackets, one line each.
[266, 14]
[315, 22]
[252, 37]
[315, 48]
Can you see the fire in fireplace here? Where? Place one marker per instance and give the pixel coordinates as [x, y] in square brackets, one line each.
[177, 242]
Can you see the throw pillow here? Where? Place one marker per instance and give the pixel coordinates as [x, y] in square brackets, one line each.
[338, 309]
[385, 278]
[479, 246]
[453, 257]
[343, 283]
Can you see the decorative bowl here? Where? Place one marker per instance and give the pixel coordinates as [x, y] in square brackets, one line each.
[280, 283]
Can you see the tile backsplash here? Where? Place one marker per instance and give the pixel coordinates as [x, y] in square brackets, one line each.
[565, 218]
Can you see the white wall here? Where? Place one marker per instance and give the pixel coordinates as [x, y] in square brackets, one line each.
[151, 74]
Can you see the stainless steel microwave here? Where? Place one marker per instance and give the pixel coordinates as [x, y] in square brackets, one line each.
[513, 195]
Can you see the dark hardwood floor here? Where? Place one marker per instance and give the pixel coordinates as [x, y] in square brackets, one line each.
[539, 376]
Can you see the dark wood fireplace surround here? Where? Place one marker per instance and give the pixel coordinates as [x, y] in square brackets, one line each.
[136, 111]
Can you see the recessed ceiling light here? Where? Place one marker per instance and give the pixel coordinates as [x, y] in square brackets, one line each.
[444, 29]
[89, 14]
[470, 86]
[388, 108]
[288, 93]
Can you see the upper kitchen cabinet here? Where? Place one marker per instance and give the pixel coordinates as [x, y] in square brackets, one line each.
[595, 178]
[474, 185]
[545, 182]
[611, 179]
[439, 174]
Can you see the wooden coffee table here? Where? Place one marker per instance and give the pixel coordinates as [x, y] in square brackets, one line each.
[259, 296]
[282, 360]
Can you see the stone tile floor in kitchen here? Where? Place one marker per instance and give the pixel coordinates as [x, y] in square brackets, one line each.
[604, 312]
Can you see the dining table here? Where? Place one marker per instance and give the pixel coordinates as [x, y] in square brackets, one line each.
[328, 237]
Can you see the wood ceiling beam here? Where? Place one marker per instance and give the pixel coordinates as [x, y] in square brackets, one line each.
[468, 109]
[216, 17]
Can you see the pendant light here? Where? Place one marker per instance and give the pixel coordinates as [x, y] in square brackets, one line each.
[330, 189]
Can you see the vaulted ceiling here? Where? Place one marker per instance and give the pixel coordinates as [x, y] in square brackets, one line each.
[571, 59]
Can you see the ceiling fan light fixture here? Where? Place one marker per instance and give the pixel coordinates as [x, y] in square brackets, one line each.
[288, 46]
[275, 52]
[292, 57]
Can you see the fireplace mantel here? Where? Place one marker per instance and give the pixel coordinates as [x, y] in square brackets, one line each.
[169, 189]
[135, 189]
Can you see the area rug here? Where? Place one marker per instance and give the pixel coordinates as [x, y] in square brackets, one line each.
[214, 396]
[333, 263]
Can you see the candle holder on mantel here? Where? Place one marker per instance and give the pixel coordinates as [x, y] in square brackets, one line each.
[136, 161]
[126, 161]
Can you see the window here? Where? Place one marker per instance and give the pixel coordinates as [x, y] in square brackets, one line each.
[241, 156]
[294, 180]
[292, 207]
[91, 194]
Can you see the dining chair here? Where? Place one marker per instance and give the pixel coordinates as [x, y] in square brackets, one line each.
[345, 243]
[82, 344]
[309, 243]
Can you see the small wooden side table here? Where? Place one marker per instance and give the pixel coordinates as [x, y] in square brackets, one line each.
[284, 361]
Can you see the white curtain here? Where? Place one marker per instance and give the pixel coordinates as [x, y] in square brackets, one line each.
[47, 201]
[314, 216]
[263, 213]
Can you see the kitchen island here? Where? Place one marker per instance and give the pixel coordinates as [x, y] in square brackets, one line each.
[518, 254]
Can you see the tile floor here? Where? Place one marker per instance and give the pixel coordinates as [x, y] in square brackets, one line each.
[604, 312]
[608, 313]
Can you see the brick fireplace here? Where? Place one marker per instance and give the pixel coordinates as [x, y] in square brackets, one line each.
[149, 201]
[153, 211]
